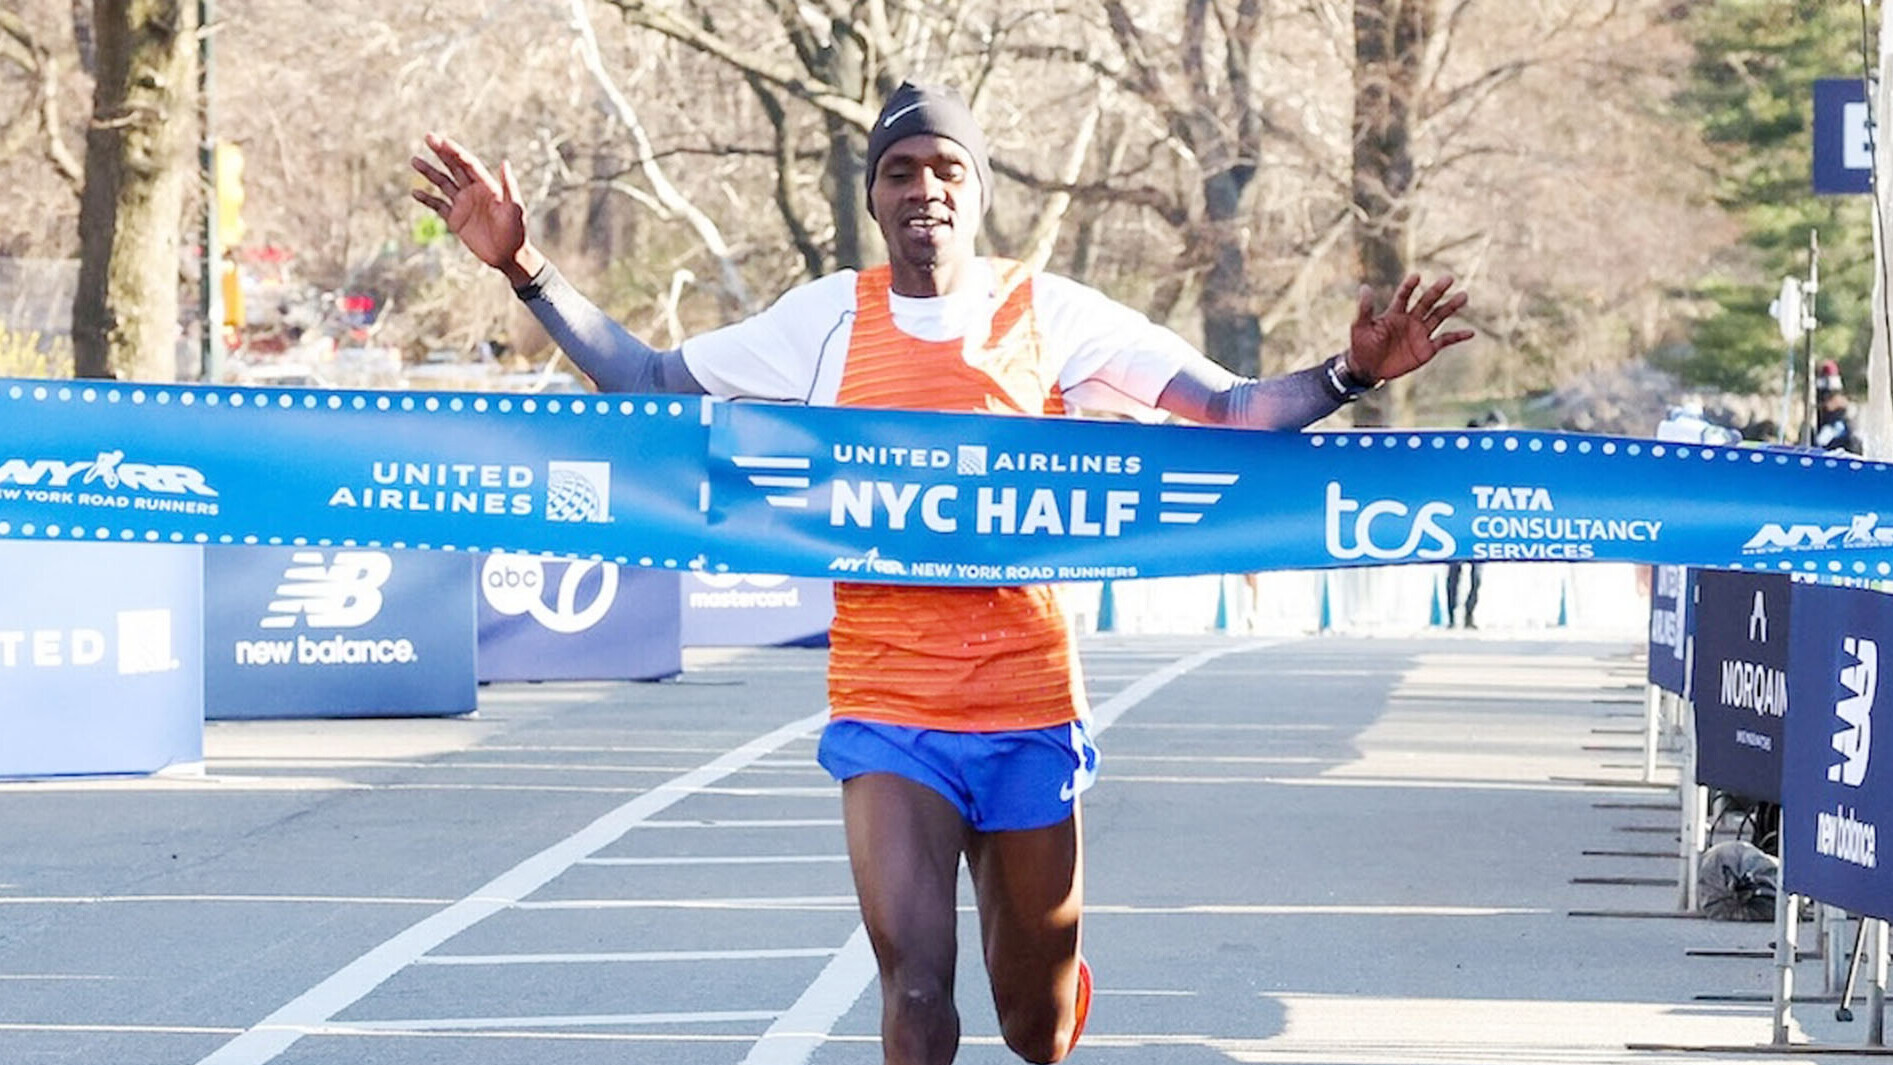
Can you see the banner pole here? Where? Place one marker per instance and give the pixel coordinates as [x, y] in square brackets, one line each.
[1785, 933]
[1876, 988]
[1691, 795]
[1784, 963]
[1831, 934]
[1652, 706]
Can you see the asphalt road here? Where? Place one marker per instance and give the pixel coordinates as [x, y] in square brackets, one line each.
[1323, 851]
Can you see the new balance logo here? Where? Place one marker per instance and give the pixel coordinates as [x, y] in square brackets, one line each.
[339, 594]
[1854, 742]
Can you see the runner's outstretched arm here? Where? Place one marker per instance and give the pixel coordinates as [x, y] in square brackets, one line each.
[484, 210]
[1210, 395]
[1382, 345]
[614, 358]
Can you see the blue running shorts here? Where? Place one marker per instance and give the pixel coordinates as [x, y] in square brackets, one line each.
[1000, 781]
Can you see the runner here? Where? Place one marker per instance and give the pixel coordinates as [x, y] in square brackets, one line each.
[958, 714]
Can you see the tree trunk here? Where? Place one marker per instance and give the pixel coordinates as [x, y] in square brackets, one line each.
[1390, 39]
[847, 191]
[1232, 331]
[125, 312]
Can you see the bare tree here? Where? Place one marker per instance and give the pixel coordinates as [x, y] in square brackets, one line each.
[1391, 38]
[125, 312]
[40, 121]
[1212, 110]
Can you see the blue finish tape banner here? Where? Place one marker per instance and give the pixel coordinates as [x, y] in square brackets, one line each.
[894, 496]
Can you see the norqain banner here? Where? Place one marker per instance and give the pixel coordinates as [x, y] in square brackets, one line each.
[894, 496]
[1740, 686]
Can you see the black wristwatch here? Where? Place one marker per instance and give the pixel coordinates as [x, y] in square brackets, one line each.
[535, 287]
[1340, 383]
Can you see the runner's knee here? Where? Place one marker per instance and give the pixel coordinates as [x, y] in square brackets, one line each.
[1040, 1038]
[917, 993]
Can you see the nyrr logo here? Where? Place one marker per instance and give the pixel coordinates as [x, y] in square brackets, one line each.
[108, 469]
[578, 491]
[1862, 530]
[342, 594]
[516, 584]
[1855, 741]
[1394, 537]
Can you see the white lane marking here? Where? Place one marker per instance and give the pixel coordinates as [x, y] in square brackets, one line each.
[760, 954]
[577, 1020]
[737, 859]
[787, 822]
[778, 902]
[382, 763]
[132, 1029]
[1326, 910]
[1395, 783]
[277, 1032]
[337, 900]
[794, 1037]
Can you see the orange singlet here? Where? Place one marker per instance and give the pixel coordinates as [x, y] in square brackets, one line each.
[982, 659]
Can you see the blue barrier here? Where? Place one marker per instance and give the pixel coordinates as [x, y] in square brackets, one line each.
[1837, 770]
[1670, 616]
[1740, 681]
[347, 632]
[99, 646]
[547, 619]
[755, 610]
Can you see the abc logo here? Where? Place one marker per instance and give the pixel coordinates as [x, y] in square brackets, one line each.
[516, 584]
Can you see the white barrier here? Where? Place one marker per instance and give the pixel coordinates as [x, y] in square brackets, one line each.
[1598, 598]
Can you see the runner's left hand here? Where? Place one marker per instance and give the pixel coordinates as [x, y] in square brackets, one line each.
[1405, 336]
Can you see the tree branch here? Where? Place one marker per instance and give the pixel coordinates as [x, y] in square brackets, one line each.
[1044, 236]
[825, 97]
[1161, 203]
[666, 193]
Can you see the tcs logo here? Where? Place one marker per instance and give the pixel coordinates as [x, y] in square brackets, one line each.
[1385, 529]
[517, 584]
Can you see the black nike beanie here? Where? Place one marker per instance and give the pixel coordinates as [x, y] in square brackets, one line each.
[936, 109]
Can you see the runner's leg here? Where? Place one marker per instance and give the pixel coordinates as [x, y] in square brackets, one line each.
[904, 843]
[1030, 886]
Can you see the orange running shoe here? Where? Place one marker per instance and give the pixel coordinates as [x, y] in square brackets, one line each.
[1084, 1001]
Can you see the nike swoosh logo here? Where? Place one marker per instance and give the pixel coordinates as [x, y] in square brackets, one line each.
[1065, 793]
[888, 122]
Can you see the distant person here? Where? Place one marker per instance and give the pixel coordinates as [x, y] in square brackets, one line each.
[958, 717]
[1834, 416]
[1458, 614]
[1687, 424]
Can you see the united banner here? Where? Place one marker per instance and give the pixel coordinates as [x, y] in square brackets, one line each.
[894, 496]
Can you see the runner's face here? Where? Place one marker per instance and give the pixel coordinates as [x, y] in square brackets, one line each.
[926, 198]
